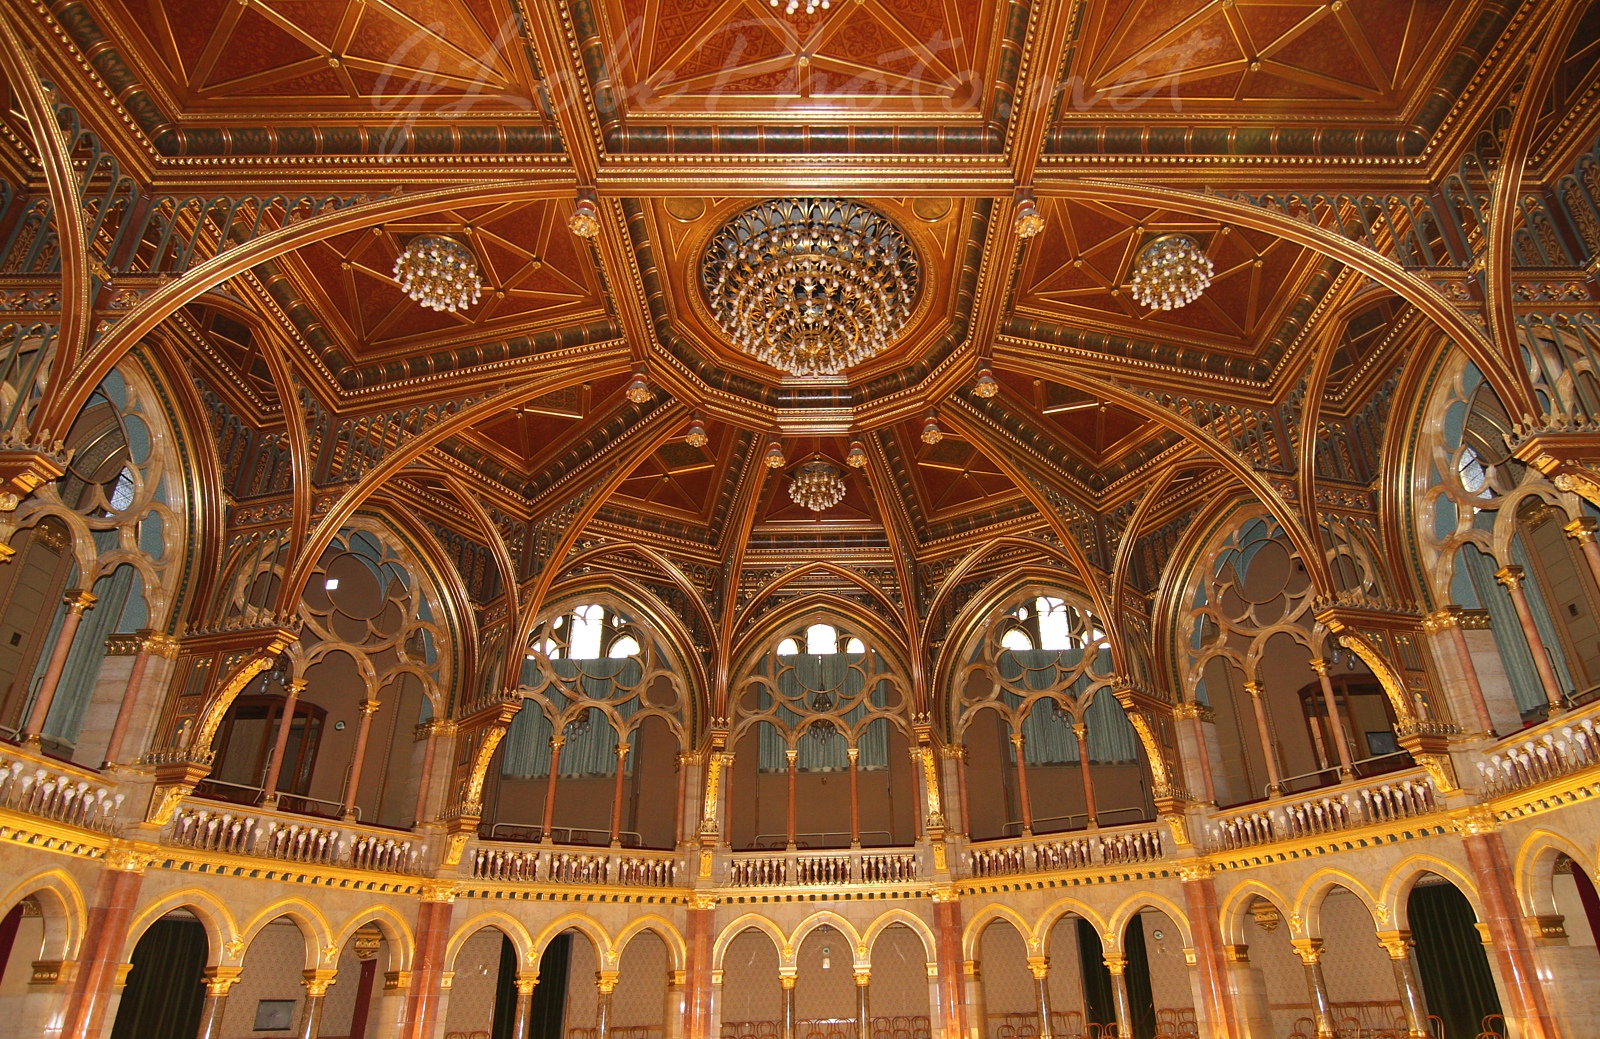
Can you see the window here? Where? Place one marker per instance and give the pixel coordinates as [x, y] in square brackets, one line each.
[822, 640]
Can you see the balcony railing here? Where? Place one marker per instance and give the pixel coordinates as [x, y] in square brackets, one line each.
[291, 839]
[1044, 855]
[61, 795]
[1562, 748]
[527, 865]
[810, 868]
[1401, 797]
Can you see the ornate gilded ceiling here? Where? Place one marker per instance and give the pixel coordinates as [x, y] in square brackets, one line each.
[1127, 119]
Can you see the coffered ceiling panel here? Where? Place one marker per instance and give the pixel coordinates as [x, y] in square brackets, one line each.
[528, 435]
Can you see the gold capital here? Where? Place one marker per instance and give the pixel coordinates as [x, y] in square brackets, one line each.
[1510, 575]
[78, 600]
[1308, 949]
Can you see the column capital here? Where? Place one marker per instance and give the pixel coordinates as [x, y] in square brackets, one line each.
[1080, 730]
[318, 979]
[1255, 689]
[369, 706]
[78, 600]
[1442, 619]
[1193, 709]
[787, 977]
[605, 981]
[296, 687]
[557, 740]
[218, 980]
[623, 748]
[157, 644]
[527, 981]
[791, 754]
[1236, 953]
[853, 753]
[1396, 943]
[1510, 575]
[1039, 967]
[1582, 529]
[1017, 739]
[863, 976]
[1321, 667]
[1116, 962]
[1308, 949]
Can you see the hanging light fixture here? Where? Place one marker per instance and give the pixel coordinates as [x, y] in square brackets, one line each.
[585, 219]
[818, 486]
[985, 386]
[438, 272]
[1171, 272]
[810, 285]
[638, 389]
[791, 6]
[1028, 221]
[774, 459]
[696, 437]
[857, 458]
[931, 433]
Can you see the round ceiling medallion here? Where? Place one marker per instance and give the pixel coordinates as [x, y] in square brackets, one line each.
[810, 285]
[686, 210]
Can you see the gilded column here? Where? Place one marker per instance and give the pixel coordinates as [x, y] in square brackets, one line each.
[1117, 964]
[1341, 743]
[1310, 952]
[550, 786]
[1039, 967]
[863, 1003]
[1018, 741]
[77, 602]
[786, 977]
[280, 745]
[316, 983]
[527, 981]
[616, 795]
[1269, 751]
[368, 709]
[1512, 577]
[104, 934]
[218, 980]
[1398, 945]
[605, 983]
[150, 641]
[1080, 730]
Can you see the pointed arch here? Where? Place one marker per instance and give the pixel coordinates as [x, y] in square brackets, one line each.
[224, 943]
[988, 915]
[503, 922]
[751, 922]
[313, 925]
[65, 910]
[661, 927]
[396, 931]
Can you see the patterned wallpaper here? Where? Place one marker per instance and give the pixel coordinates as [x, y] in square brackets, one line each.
[477, 973]
[338, 1010]
[1003, 959]
[750, 988]
[641, 994]
[830, 992]
[272, 970]
[581, 994]
[899, 974]
[1355, 964]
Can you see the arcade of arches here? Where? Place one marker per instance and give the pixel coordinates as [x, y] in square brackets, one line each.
[806, 584]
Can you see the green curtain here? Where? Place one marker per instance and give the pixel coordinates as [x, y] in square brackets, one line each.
[88, 651]
[1450, 960]
[165, 995]
[1099, 1006]
[1141, 997]
[505, 991]
[547, 1015]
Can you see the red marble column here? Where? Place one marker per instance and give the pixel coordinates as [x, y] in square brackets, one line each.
[1336, 732]
[427, 969]
[280, 745]
[1512, 577]
[1526, 1008]
[363, 733]
[104, 935]
[150, 641]
[616, 795]
[1020, 744]
[698, 935]
[1081, 731]
[550, 788]
[947, 933]
[1200, 899]
[855, 800]
[793, 768]
[77, 602]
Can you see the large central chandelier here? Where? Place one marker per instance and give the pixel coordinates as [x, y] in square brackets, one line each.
[818, 486]
[1171, 272]
[810, 285]
[438, 272]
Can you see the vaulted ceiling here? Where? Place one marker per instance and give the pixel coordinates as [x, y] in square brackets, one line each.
[676, 116]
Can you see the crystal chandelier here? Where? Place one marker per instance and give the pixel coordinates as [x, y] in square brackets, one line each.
[810, 285]
[818, 486]
[791, 6]
[438, 272]
[1171, 272]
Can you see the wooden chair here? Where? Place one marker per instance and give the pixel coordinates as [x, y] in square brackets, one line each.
[1492, 1027]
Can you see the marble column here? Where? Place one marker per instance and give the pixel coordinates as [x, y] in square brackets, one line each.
[1269, 750]
[952, 1009]
[150, 642]
[616, 794]
[1512, 577]
[855, 801]
[605, 983]
[424, 994]
[1039, 967]
[793, 757]
[1448, 619]
[1527, 1008]
[787, 979]
[316, 983]
[1341, 742]
[1117, 964]
[1080, 730]
[863, 1003]
[432, 731]
[1398, 945]
[1582, 531]
[280, 744]
[677, 1006]
[1196, 713]
[1310, 952]
[550, 786]
[104, 934]
[363, 732]
[698, 935]
[1019, 742]
[77, 602]
[217, 980]
[526, 982]
[977, 1008]
[1220, 1016]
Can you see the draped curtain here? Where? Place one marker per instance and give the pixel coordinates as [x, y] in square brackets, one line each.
[1456, 980]
[164, 994]
[592, 751]
[832, 674]
[1504, 625]
[1049, 740]
[119, 607]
